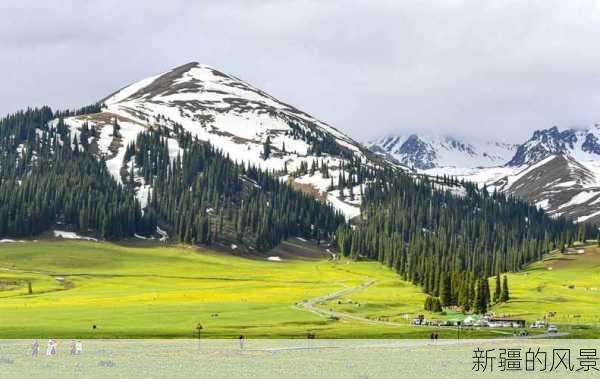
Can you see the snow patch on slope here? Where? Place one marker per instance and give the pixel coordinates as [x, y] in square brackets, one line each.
[71, 236]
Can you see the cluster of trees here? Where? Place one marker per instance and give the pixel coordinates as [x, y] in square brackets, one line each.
[353, 175]
[316, 165]
[473, 294]
[204, 196]
[86, 133]
[88, 109]
[46, 177]
[318, 140]
[433, 304]
[501, 294]
[447, 244]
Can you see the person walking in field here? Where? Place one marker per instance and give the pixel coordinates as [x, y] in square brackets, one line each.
[51, 349]
[241, 342]
[35, 349]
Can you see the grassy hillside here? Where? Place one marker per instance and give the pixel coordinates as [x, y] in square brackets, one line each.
[143, 289]
[566, 284]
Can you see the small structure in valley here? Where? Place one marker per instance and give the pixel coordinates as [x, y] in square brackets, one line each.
[505, 322]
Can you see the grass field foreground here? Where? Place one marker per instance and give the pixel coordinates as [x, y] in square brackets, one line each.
[143, 289]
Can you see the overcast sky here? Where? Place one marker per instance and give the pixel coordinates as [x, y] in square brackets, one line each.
[484, 69]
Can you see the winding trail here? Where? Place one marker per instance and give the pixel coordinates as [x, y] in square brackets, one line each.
[310, 305]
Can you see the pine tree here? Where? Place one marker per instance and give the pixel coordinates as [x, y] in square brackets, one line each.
[504, 296]
[53, 178]
[480, 301]
[433, 304]
[428, 303]
[116, 128]
[267, 148]
[436, 305]
[486, 293]
[445, 293]
[581, 233]
[497, 288]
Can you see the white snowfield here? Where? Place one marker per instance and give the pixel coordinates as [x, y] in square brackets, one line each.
[444, 152]
[232, 115]
[71, 236]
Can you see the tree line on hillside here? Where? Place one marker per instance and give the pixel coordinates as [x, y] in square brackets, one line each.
[46, 178]
[475, 296]
[204, 196]
[450, 244]
[318, 140]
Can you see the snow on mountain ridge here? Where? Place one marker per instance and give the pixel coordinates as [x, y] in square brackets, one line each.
[580, 143]
[558, 183]
[558, 170]
[427, 152]
[233, 116]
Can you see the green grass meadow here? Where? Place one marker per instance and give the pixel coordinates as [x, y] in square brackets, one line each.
[146, 290]
[566, 287]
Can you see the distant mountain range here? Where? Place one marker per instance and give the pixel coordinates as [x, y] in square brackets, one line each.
[424, 152]
[558, 170]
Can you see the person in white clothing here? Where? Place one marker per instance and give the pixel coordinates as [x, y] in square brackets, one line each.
[50, 350]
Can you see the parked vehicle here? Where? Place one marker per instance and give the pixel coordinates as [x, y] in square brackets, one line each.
[552, 329]
[538, 324]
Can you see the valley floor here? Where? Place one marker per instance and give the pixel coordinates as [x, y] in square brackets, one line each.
[147, 290]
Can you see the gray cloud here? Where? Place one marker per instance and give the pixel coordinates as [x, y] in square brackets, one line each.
[466, 68]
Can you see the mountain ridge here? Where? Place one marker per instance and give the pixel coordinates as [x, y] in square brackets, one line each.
[556, 169]
[582, 143]
[238, 119]
[425, 152]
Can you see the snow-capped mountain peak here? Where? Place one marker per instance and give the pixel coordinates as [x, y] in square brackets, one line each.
[198, 91]
[426, 152]
[582, 144]
[235, 117]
